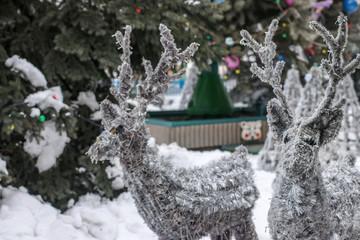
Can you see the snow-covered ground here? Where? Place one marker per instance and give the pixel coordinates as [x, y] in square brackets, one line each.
[25, 217]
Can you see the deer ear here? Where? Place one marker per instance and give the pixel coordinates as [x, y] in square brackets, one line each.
[278, 118]
[330, 124]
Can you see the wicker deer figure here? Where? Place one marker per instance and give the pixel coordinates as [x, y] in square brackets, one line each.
[309, 203]
[176, 203]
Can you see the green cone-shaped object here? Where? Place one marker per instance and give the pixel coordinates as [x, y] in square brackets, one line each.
[210, 97]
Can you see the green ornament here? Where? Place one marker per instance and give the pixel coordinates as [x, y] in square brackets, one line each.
[42, 118]
[208, 37]
[284, 35]
[277, 1]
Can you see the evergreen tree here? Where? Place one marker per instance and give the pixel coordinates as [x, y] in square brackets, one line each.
[70, 43]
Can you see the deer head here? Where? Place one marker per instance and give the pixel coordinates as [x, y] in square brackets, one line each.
[123, 125]
[302, 138]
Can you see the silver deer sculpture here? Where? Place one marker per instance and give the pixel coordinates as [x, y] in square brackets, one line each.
[310, 202]
[176, 203]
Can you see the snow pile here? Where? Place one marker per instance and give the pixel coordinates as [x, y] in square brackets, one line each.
[49, 148]
[87, 98]
[184, 158]
[23, 216]
[51, 97]
[27, 69]
[3, 170]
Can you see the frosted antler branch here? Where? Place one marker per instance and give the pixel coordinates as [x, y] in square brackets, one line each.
[156, 80]
[267, 52]
[334, 67]
[125, 71]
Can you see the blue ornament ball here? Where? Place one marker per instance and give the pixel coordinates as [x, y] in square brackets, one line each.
[350, 6]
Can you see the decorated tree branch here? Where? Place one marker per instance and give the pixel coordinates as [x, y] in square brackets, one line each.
[308, 201]
[175, 203]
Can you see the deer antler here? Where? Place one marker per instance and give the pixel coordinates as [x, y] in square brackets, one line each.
[125, 71]
[268, 73]
[334, 67]
[271, 75]
[157, 79]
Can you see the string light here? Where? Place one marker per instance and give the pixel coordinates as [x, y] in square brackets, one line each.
[138, 10]
[42, 118]
[284, 24]
[323, 51]
[208, 37]
[284, 35]
[11, 127]
[187, 23]
[225, 77]
[237, 71]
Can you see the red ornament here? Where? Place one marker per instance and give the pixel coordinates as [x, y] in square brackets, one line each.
[246, 135]
[349, 25]
[54, 96]
[258, 135]
[138, 10]
[312, 52]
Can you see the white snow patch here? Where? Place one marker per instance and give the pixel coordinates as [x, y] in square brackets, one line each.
[96, 116]
[27, 70]
[3, 169]
[114, 171]
[49, 148]
[35, 112]
[87, 98]
[23, 216]
[51, 97]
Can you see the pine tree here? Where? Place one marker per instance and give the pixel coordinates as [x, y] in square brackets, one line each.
[70, 43]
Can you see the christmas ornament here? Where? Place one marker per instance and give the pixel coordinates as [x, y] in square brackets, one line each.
[319, 6]
[138, 10]
[237, 71]
[284, 35]
[11, 127]
[232, 62]
[208, 37]
[229, 41]
[284, 24]
[350, 6]
[289, 2]
[41, 118]
[54, 96]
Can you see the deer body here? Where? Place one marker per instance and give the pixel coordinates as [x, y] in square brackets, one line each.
[307, 202]
[176, 203]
